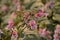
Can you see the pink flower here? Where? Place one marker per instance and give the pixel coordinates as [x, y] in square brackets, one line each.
[13, 15]
[4, 8]
[18, 3]
[33, 24]
[19, 7]
[40, 30]
[40, 13]
[58, 28]
[26, 14]
[46, 14]
[41, 10]
[49, 37]
[15, 1]
[10, 24]
[34, 27]
[49, 5]
[56, 37]
[14, 33]
[56, 32]
[44, 33]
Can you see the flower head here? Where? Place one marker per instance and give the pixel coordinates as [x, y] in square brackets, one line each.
[13, 15]
[26, 14]
[19, 8]
[41, 10]
[10, 24]
[49, 5]
[57, 28]
[46, 14]
[33, 24]
[40, 13]
[15, 1]
[4, 8]
[44, 33]
[14, 34]
[56, 37]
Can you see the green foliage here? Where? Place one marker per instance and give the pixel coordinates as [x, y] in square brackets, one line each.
[43, 1]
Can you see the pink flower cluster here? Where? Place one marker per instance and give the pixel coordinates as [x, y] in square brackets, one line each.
[44, 33]
[26, 16]
[4, 8]
[56, 33]
[18, 4]
[10, 24]
[14, 33]
[41, 13]
[33, 24]
[13, 15]
[49, 5]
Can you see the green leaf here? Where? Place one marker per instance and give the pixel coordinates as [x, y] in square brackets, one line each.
[50, 27]
[43, 1]
[28, 6]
